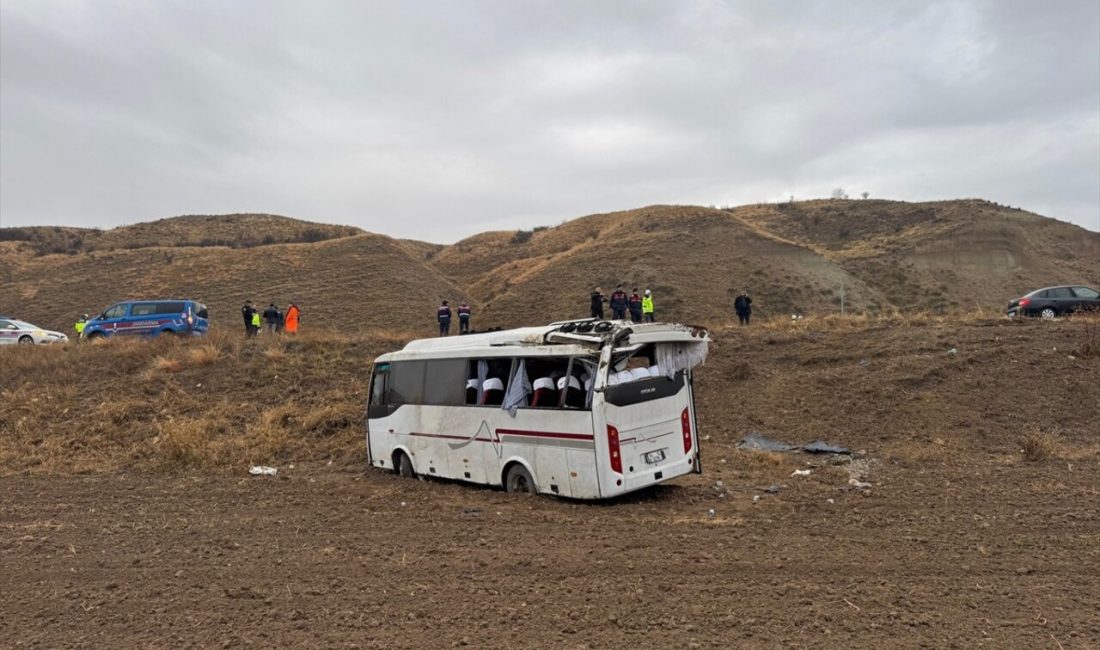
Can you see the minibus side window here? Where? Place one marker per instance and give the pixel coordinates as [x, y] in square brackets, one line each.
[445, 382]
[406, 384]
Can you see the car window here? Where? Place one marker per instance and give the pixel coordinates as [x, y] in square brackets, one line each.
[6, 325]
[143, 309]
[1085, 292]
[200, 310]
[1037, 294]
[1060, 292]
[169, 308]
[117, 311]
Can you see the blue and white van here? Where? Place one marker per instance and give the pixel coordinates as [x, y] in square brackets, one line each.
[149, 318]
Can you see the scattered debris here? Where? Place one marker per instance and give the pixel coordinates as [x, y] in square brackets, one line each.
[759, 442]
[772, 489]
[858, 484]
[822, 447]
[953, 351]
[864, 361]
[262, 470]
[710, 513]
[829, 501]
[801, 472]
[756, 498]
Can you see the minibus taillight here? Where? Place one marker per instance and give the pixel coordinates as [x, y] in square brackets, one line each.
[685, 425]
[613, 449]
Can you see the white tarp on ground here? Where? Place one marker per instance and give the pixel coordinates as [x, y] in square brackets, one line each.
[674, 357]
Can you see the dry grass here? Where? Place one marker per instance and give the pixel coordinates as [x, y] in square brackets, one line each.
[872, 320]
[917, 452]
[216, 403]
[1088, 338]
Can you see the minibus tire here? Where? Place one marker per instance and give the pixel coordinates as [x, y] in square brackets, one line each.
[403, 466]
[518, 479]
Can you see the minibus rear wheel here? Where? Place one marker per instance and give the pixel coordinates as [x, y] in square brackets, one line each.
[518, 479]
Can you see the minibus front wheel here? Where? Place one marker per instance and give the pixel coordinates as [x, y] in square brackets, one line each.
[518, 479]
[402, 465]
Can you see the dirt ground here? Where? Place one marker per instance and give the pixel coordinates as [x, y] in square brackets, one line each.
[959, 542]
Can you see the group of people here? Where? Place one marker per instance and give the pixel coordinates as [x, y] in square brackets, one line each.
[271, 318]
[639, 306]
[443, 315]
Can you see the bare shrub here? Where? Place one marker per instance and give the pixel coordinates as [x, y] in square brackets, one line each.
[1088, 338]
[167, 364]
[1039, 446]
[203, 355]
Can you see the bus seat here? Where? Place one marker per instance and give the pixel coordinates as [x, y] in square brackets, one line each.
[471, 391]
[493, 393]
[574, 397]
[624, 376]
[640, 373]
[655, 371]
[545, 394]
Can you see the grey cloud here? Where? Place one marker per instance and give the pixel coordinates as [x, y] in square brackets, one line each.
[438, 120]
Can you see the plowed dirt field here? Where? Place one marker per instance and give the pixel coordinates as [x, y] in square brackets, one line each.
[961, 541]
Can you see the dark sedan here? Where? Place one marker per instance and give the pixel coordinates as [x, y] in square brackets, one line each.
[1055, 301]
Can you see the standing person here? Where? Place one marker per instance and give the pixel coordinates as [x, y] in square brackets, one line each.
[248, 311]
[79, 326]
[635, 306]
[464, 318]
[597, 303]
[271, 318]
[293, 315]
[618, 303]
[647, 306]
[255, 322]
[743, 306]
[443, 314]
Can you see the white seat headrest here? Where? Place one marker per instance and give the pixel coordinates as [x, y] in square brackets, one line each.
[640, 373]
[543, 382]
[613, 379]
[471, 383]
[573, 383]
[624, 376]
[588, 384]
[655, 371]
[494, 383]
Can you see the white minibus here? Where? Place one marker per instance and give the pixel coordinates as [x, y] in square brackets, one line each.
[582, 409]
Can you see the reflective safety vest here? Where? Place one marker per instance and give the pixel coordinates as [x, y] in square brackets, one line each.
[647, 304]
[255, 319]
[79, 327]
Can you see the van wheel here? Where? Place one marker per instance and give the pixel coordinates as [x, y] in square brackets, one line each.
[1048, 313]
[403, 466]
[518, 479]
[25, 340]
[95, 336]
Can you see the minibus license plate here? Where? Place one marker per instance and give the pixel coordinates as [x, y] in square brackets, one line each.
[655, 456]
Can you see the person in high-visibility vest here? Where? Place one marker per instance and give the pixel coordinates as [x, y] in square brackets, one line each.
[256, 322]
[293, 315]
[79, 327]
[647, 306]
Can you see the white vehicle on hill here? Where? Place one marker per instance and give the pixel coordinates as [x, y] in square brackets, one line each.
[581, 409]
[13, 330]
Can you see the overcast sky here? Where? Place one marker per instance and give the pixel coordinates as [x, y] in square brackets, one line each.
[437, 120]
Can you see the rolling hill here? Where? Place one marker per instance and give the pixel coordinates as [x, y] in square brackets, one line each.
[793, 257]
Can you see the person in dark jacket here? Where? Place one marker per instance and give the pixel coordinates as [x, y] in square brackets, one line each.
[247, 311]
[443, 315]
[597, 303]
[618, 303]
[635, 304]
[464, 318]
[272, 316]
[743, 306]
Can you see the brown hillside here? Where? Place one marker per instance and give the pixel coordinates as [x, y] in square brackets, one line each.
[793, 258]
[232, 230]
[366, 281]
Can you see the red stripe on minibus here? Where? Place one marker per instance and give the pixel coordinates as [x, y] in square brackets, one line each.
[544, 434]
